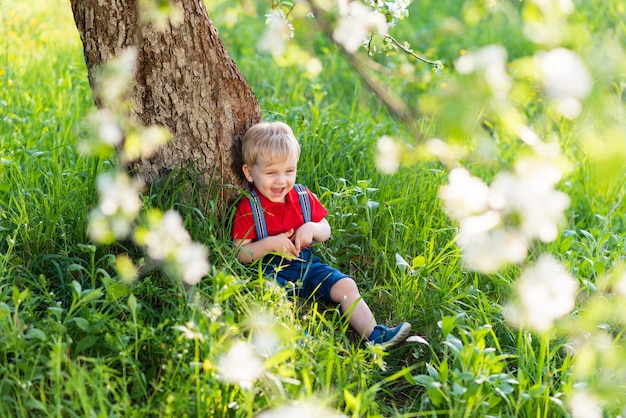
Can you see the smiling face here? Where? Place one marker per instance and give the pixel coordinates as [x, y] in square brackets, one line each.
[273, 179]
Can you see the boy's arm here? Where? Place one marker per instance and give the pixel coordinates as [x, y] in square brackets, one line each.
[248, 251]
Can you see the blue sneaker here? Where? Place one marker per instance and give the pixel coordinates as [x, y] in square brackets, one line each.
[388, 337]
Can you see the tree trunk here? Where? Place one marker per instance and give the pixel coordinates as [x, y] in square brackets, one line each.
[185, 81]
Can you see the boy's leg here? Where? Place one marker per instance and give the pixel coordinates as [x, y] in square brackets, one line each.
[346, 293]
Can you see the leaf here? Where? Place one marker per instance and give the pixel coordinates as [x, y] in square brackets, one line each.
[418, 261]
[87, 342]
[81, 323]
[34, 333]
[77, 287]
[132, 304]
[91, 294]
[458, 390]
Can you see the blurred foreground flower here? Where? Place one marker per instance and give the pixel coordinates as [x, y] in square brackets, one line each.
[279, 30]
[167, 240]
[309, 409]
[388, 156]
[117, 209]
[356, 23]
[490, 62]
[241, 365]
[546, 292]
[498, 223]
[566, 79]
[583, 404]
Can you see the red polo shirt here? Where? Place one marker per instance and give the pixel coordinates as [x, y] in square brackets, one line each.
[279, 217]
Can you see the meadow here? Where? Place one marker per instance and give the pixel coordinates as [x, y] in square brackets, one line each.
[77, 339]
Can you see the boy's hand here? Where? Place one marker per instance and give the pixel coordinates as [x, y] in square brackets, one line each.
[304, 236]
[282, 244]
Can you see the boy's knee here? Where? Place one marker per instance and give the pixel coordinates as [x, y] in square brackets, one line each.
[346, 285]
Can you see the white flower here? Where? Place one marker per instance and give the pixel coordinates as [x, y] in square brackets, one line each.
[388, 156]
[487, 252]
[491, 62]
[584, 404]
[546, 293]
[118, 206]
[565, 78]
[394, 10]
[464, 195]
[167, 240]
[192, 263]
[115, 78]
[165, 237]
[279, 31]
[309, 409]
[118, 194]
[240, 366]
[357, 21]
[530, 194]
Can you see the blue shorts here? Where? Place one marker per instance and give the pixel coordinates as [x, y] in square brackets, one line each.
[305, 277]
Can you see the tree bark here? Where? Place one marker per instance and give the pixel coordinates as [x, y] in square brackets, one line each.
[185, 81]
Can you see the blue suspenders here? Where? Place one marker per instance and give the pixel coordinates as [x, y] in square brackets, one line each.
[259, 218]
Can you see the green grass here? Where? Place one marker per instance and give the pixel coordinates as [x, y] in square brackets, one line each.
[76, 340]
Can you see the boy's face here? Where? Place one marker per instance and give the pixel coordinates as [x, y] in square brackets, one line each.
[273, 179]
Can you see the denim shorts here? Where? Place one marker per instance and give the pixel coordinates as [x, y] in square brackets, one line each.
[304, 277]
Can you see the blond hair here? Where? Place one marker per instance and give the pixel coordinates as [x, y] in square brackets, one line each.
[270, 140]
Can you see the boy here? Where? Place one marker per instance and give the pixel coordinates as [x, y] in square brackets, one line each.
[280, 224]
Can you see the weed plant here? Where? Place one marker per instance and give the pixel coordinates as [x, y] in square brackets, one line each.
[77, 340]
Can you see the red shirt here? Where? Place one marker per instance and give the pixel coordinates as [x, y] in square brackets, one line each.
[279, 217]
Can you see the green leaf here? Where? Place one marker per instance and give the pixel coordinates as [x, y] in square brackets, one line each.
[91, 294]
[458, 390]
[34, 333]
[132, 304]
[81, 323]
[86, 342]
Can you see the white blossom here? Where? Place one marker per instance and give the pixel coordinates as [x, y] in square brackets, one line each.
[192, 262]
[119, 204]
[620, 286]
[529, 193]
[115, 78]
[167, 240]
[388, 156]
[240, 365]
[491, 62]
[308, 409]
[584, 404]
[166, 236]
[394, 10]
[464, 195]
[487, 252]
[118, 194]
[565, 78]
[546, 292]
[279, 30]
[498, 222]
[355, 24]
